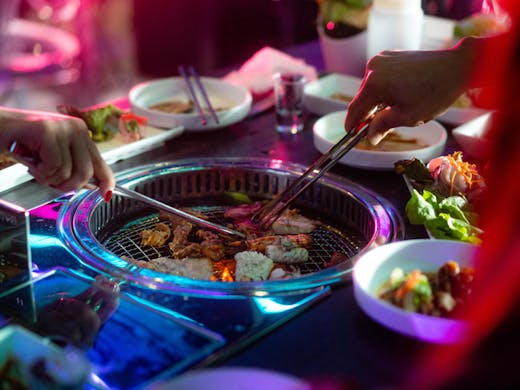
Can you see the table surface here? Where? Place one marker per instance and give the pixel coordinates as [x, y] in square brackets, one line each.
[333, 339]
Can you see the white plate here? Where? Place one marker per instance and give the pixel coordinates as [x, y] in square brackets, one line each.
[329, 129]
[112, 151]
[66, 365]
[116, 149]
[317, 95]
[457, 116]
[373, 268]
[233, 378]
[318, 99]
[235, 101]
[471, 137]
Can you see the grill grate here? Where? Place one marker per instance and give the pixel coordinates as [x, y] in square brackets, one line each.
[353, 219]
[125, 240]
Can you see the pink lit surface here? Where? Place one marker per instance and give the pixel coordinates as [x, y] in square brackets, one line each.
[235, 378]
[49, 211]
[50, 46]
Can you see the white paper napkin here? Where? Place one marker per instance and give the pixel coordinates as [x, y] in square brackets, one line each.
[256, 74]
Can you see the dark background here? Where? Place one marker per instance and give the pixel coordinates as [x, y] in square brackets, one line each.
[213, 34]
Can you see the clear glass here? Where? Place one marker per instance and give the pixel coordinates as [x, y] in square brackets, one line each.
[288, 90]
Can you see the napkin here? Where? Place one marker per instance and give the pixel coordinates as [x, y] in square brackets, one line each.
[256, 74]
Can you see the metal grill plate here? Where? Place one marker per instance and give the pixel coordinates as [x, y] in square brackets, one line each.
[354, 218]
[125, 241]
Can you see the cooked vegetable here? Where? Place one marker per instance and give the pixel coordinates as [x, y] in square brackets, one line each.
[104, 122]
[416, 172]
[432, 293]
[130, 126]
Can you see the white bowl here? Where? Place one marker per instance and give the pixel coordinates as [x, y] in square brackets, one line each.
[235, 101]
[457, 115]
[329, 129]
[317, 95]
[318, 98]
[471, 137]
[373, 268]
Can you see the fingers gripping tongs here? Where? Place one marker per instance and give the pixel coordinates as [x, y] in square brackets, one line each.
[272, 210]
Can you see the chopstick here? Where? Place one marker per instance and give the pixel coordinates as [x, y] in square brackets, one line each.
[272, 210]
[191, 90]
[195, 75]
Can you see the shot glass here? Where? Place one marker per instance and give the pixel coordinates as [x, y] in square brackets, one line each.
[288, 90]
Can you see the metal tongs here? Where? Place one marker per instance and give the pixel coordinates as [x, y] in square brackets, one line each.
[274, 208]
[172, 210]
[30, 157]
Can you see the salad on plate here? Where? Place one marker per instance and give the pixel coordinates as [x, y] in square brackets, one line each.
[443, 196]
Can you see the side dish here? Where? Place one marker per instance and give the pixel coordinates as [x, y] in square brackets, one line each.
[105, 122]
[342, 96]
[438, 294]
[29, 362]
[392, 142]
[443, 195]
[180, 107]
[174, 107]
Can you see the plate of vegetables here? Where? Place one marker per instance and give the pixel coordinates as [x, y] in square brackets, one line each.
[444, 193]
[28, 361]
[417, 287]
[120, 133]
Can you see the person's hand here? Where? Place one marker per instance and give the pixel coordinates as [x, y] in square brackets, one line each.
[414, 86]
[77, 320]
[103, 296]
[66, 157]
[71, 320]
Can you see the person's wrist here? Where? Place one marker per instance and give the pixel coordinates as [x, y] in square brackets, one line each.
[12, 122]
[467, 52]
[6, 125]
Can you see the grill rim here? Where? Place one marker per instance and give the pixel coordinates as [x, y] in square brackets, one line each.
[73, 222]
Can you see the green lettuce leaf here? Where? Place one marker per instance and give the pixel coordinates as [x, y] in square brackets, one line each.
[419, 209]
[444, 226]
[445, 219]
[99, 121]
[454, 206]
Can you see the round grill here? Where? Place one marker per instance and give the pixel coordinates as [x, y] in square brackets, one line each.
[104, 234]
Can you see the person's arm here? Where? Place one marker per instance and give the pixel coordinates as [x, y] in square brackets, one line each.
[66, 157]
[414, 86]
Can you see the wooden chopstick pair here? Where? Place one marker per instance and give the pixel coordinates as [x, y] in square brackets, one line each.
[191, 91]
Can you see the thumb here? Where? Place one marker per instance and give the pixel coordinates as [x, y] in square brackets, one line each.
[383, 122]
